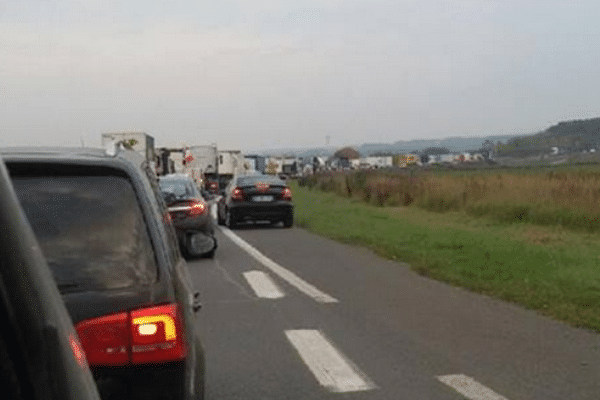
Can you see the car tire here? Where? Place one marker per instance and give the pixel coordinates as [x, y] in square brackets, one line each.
[229, 221]
[288, 222]
[211, 254]
[220, 221]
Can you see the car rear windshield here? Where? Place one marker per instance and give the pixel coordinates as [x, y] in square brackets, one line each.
[91, 230]
[177, 188]
[254, 179]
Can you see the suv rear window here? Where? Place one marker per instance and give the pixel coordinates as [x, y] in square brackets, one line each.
[91, 230]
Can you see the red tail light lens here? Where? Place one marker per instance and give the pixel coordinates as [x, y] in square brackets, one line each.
[237, 194]
[105, 339]
[156, 335]
[197, 208]
[143, 336]
[286, 194]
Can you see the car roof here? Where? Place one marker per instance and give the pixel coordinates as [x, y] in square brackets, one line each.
[66, 153]
[127, 162]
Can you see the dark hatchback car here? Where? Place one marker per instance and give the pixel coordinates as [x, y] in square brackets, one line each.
[41, 356]
[107, 237]
[190, 214]
[256, 197]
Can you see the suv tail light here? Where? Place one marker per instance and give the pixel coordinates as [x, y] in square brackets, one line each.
[237, 194]
[197, 208]
[105, 340]
[143, 336]
[286, 194]
[156, 335]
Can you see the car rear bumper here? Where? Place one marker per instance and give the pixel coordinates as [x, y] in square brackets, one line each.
[257, 211]
[202, 223]
[141, 382]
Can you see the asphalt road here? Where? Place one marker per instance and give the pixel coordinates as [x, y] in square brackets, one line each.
[338, 322]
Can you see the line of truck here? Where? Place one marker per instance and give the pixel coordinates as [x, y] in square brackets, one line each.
[210, 167]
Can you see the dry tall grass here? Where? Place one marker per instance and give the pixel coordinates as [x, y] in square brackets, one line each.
[569, 198]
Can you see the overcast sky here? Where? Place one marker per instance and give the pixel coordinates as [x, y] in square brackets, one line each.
[252, 74]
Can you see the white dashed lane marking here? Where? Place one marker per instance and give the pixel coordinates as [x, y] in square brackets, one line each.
[277, 269]
[262, 285]
[328, 365]
[470, 388]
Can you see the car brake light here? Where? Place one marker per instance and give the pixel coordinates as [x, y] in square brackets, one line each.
[156, 335]
[237, 194]
[286, 194]
[147, 335]
[197, 208]
[105, 339]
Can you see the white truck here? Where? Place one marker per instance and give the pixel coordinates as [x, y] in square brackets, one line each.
[144, 143]
[230, 163]
[200, 162]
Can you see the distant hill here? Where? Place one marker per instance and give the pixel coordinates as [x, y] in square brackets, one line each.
[568, 136]
[295, 151]
[587, 129]
[454, 144]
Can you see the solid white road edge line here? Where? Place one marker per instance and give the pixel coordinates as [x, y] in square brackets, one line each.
[470, 388]
[277, 269]
[262, 285]
[328, 365]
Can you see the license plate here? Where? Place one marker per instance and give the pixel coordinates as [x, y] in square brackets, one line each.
[262, 198]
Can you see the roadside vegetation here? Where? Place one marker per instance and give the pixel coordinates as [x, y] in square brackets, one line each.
[568, 198]
[527, 236]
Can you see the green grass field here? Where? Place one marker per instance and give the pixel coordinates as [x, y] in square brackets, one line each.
[547, 268]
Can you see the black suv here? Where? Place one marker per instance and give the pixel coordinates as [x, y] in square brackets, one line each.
[107, 237]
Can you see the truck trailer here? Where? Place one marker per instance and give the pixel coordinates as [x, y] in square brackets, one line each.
[230, 163]
[139, 141]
